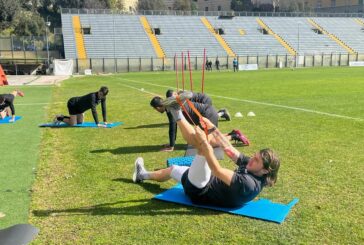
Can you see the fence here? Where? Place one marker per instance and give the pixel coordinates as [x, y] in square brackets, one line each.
[344, 13]
[168, 64]
[35, 47]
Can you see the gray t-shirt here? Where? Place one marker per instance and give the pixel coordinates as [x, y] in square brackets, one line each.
[244, 187]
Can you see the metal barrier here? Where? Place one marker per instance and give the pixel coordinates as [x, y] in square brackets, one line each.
[210, 13]
[117, 65]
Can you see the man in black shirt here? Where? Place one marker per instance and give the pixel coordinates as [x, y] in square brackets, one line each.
[78, 105]
[7, 104]
[217, 64]
[206, 182]
[202, 103]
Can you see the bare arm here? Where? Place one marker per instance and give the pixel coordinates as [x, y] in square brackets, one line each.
[229, 150]
[220, 138]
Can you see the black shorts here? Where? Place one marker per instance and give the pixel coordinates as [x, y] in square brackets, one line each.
[72, 110]
[197, 195]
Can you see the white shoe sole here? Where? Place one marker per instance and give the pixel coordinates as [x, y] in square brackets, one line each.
[141, 163]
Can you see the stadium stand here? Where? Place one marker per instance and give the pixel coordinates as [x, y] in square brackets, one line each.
[110, 36]
[302, 36]
[245, 36]
[68, 37]
[158, 36]
[182, 33]
[346, 29]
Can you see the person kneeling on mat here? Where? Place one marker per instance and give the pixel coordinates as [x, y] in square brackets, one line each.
[78, 105]
[191, 112]
[7, 104]
[205, 181]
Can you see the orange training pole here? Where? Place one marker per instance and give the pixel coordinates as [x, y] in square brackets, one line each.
[183, 73]
[176, 66]
[203, 70]
[189, 67]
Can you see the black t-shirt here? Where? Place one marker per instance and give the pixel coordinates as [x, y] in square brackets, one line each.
[9, 102]
[244, 187]
[89, 101]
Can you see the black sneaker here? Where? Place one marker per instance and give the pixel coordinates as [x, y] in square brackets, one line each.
[58, 119]
[232, 132]
[226, 115]
[138, 170]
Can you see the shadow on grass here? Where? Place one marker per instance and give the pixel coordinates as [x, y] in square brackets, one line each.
[150, 187]
[145, 207]
[138, 207]
[136, 149]
[156, 125]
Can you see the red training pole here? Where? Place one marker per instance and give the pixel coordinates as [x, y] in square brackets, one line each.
[189, 67]
[183, 73]
[176, 66]
[203, 69]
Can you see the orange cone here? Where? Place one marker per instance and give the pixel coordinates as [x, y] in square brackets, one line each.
[3, 79]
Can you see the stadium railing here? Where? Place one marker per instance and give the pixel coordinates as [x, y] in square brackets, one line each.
[210, 13]
[117, 65]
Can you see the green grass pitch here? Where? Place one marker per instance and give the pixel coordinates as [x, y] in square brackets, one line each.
[82, 191]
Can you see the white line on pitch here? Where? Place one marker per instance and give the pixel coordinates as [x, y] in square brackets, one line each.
[262, 103]
[20, 104]
[144, 91]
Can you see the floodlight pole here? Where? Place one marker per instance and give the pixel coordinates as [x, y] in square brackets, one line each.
[48, 24]
[298, 46]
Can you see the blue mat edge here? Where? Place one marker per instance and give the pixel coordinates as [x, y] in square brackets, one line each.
[51, 125]
[3, 121]
[278, 220]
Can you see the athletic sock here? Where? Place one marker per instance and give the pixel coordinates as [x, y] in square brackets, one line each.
[145, 175]
[220, 114]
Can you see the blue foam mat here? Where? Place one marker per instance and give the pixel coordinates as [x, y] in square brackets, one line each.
[83, 125]
[180, 161]
[262, 209]
[6, 119]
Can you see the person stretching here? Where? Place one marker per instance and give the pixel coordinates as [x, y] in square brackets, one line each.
[78, 105]
[7, 104]
[205, 182]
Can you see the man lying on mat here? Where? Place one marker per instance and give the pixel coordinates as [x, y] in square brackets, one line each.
[203, 105]
[7, 104]
[78, 105]
[205, 181]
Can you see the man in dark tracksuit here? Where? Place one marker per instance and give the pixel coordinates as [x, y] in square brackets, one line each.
[202, 103]
[78, 105]
[7, 104]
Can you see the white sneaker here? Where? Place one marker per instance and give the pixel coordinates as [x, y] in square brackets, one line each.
[138, 170]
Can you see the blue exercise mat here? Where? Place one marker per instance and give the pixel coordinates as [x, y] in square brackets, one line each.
[262, 209]
[180, 161]
[83, 125]
[6, 119]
